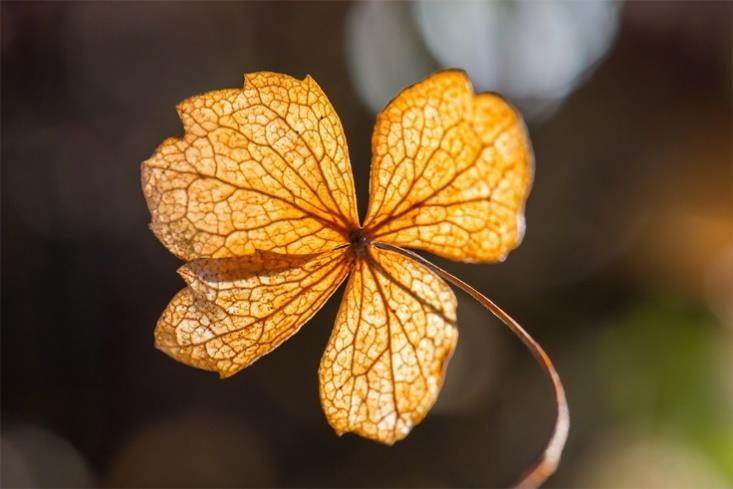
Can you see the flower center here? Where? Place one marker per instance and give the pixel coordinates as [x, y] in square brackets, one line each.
[359, 240]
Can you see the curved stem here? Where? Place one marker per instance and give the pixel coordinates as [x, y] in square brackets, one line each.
[550, 457]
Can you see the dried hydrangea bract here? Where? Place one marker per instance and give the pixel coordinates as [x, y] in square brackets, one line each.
[450, 172]
[258, 198]
[384, 363]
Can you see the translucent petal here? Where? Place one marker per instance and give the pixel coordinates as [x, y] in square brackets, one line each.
[384, 363]
[450, 171]
[265, 167]
[235, 310]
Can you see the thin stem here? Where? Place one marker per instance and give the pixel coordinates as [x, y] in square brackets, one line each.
[550, 457]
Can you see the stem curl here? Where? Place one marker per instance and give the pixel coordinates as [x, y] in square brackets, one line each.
[548, 461]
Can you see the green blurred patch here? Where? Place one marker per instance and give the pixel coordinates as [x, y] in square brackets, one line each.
[668, 370]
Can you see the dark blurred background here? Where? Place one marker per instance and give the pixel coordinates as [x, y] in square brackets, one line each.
[624, 274]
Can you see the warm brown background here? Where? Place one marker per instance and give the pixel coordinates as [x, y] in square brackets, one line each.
[624, 273]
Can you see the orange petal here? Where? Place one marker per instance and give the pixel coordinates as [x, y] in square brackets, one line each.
[236, 310]
[384, 363]
[450, 171]
[265, 167]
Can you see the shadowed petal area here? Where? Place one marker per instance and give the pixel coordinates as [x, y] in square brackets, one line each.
[236, 310]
